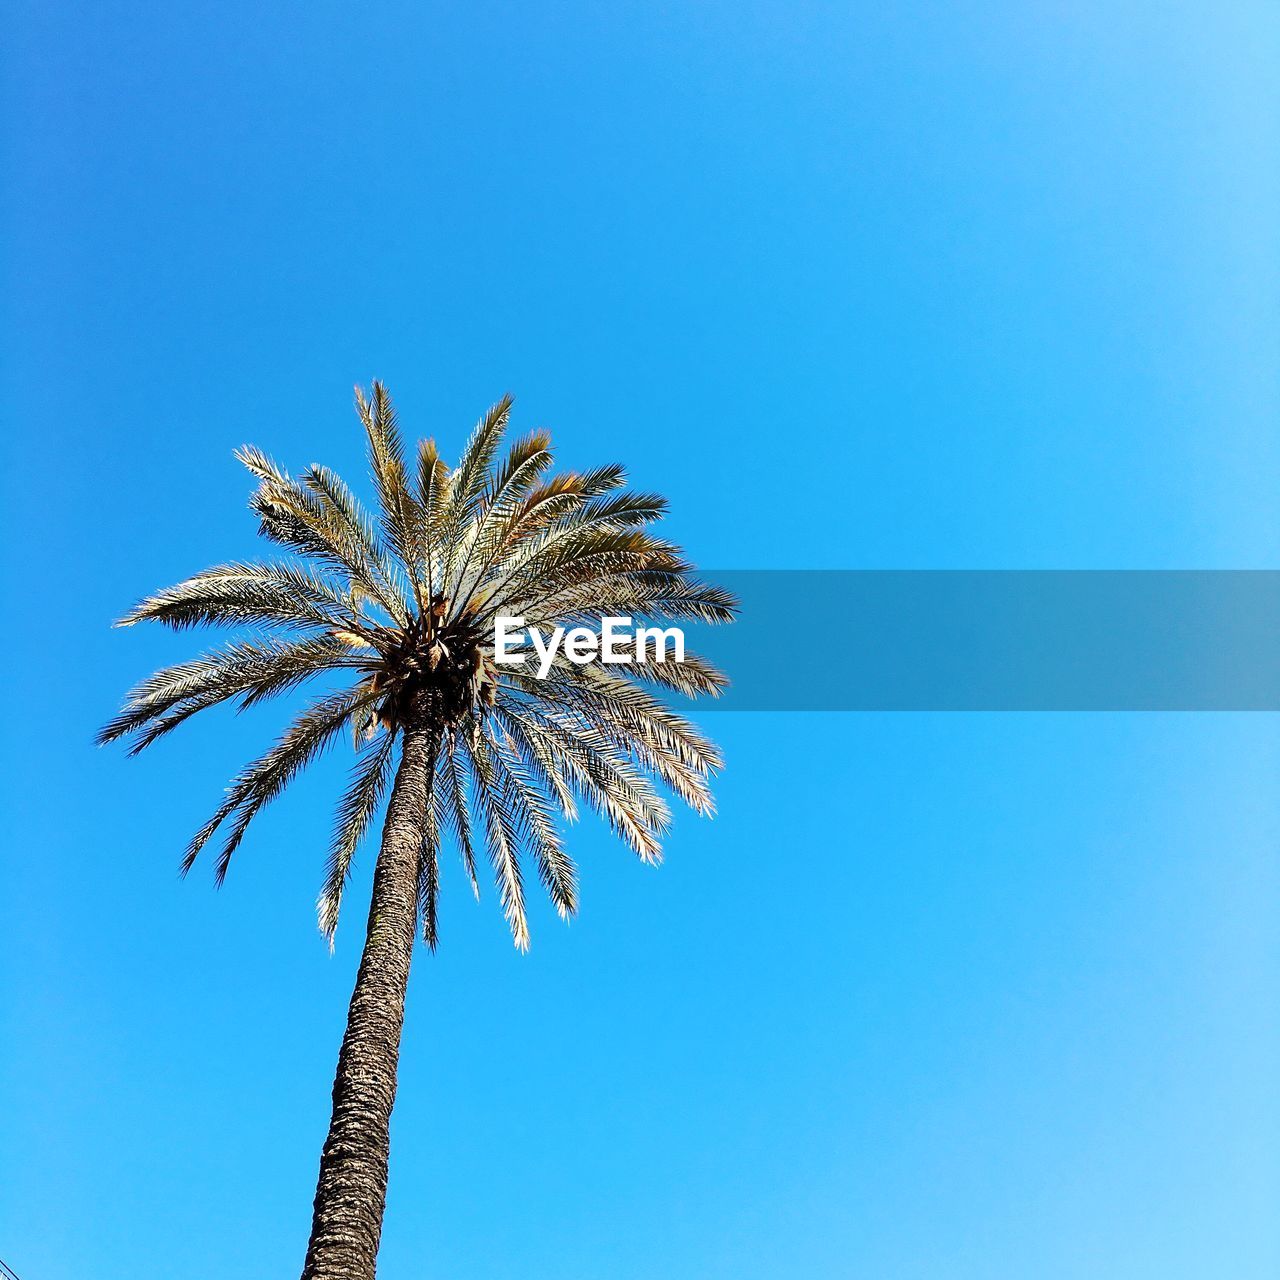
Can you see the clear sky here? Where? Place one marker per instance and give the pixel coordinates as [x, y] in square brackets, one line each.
[981, 997]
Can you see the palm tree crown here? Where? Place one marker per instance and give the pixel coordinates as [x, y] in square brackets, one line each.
[405, 607]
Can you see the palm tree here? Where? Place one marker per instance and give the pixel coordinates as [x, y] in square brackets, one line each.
[484, 754]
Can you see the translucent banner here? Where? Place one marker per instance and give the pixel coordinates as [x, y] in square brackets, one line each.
[1035, 640]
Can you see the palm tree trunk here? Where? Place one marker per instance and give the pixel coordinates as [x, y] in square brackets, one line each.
[352, 1190]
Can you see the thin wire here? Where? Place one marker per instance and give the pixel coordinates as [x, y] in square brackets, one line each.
[7, 1270]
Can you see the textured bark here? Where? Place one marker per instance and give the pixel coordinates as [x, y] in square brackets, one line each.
[347, 1220]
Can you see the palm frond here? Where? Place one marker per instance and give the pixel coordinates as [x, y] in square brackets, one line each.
[660, 739]
[526, 460]
[601, 775]
[402, 519]
[250, 670]
[355, 811]
[429, 855]
[457, 808]
[504, 840]
[260, 782]
[466, 485]
[535, 824]
[284, 595]
[294, 516]
[433, 489]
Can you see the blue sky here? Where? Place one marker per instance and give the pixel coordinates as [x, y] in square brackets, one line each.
[966, 286]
